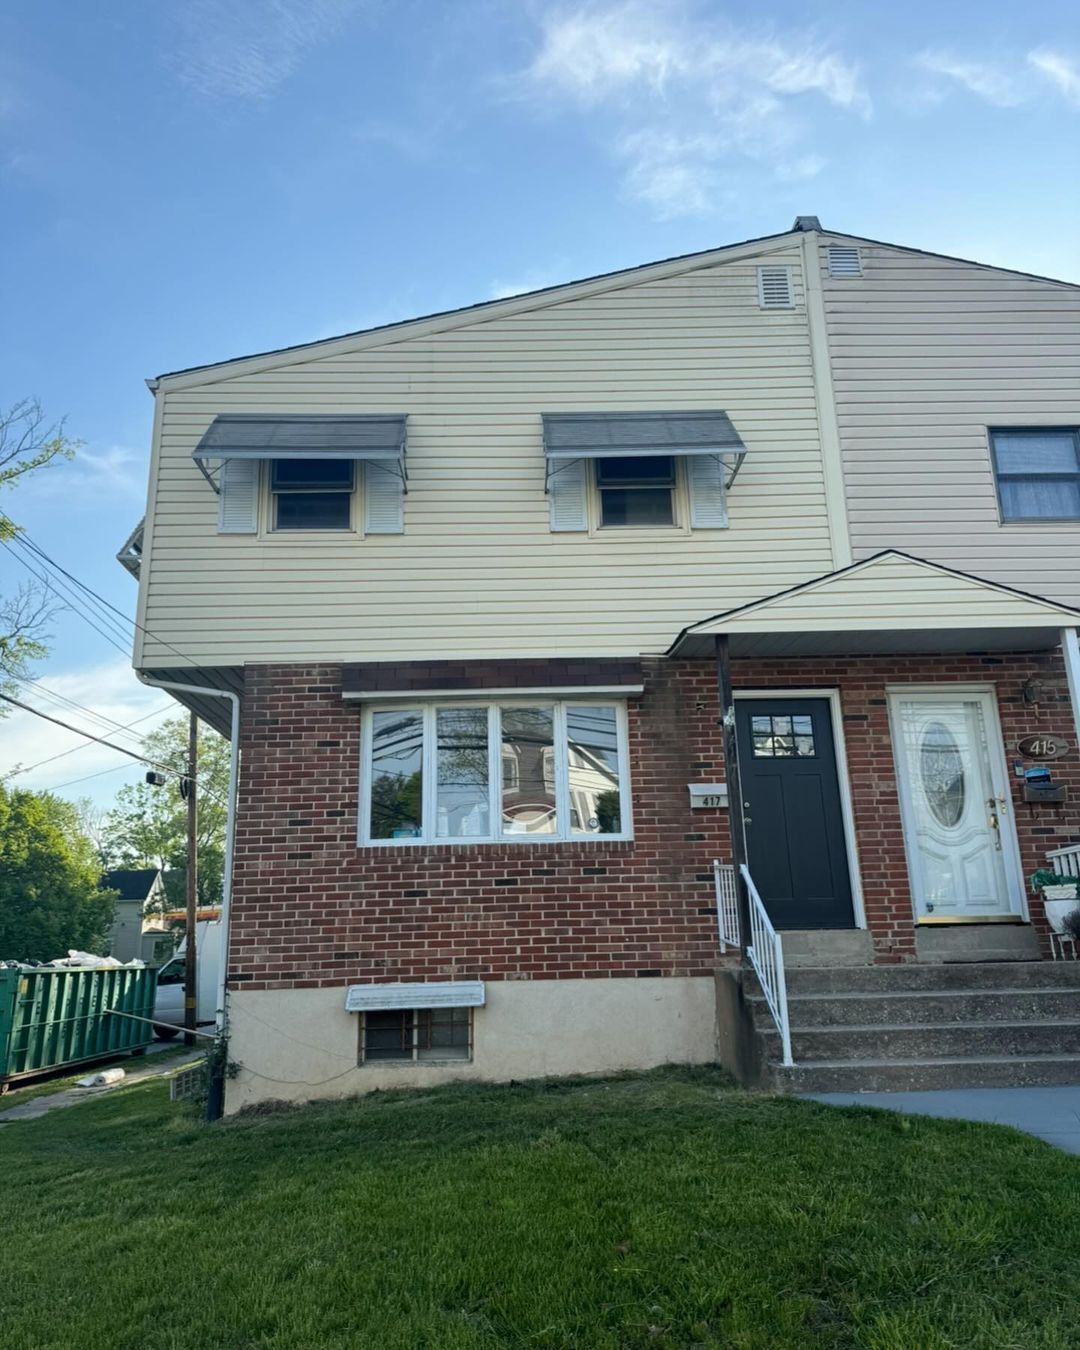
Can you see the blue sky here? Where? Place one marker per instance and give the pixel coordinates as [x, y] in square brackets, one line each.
[185, 182]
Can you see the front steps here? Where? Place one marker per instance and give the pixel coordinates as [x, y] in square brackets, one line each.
[921, 1027]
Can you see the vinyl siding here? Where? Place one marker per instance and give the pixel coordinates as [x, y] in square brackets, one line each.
[478, 570]
[893, 593]
[926, 354]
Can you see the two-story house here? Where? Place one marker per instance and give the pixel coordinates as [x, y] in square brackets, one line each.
[521, 616]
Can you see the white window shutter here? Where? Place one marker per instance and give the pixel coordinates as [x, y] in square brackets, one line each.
[568, 491]
[708, 505]
[384, 497]
[239, 500]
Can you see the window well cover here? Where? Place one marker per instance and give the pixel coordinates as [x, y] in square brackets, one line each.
[295, 436]
[604, 435]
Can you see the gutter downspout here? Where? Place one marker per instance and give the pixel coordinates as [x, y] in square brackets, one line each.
[230, 826]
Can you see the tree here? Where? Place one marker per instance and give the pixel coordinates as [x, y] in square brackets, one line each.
[28, 442]
[50, 880]
[148, 825]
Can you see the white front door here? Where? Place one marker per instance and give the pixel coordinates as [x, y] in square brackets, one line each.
[958, 827]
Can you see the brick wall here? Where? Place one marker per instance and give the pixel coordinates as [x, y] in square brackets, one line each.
[311, 908]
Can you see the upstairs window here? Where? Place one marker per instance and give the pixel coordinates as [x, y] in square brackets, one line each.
[1038, 473]
[311, 494]
[636, 490]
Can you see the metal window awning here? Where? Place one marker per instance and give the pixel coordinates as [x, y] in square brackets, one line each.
[570, 436]
[366, 436]
[380, 997]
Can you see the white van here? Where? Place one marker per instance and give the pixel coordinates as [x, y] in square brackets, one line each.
[169, 1003]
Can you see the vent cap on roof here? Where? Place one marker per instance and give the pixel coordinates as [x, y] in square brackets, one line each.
[804, 224]
[844, 260]
[774, 288]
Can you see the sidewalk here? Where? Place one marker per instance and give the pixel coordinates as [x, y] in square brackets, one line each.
[59, 1101]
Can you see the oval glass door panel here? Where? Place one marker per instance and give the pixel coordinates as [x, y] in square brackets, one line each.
[941, 766]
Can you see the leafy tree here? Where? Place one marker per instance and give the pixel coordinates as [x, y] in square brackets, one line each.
[28, 442]
[50, 880]
[148, 825]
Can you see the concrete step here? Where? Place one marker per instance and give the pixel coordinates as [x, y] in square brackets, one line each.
[827, 947]
[884, 979]
[929, 1041]
[948, 1006]
[926, 1075]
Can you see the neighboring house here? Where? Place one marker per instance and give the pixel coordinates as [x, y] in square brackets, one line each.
[137, 931]
[489, 589]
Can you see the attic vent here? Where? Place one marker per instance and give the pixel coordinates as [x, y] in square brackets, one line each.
[774, 288]
[844, 261]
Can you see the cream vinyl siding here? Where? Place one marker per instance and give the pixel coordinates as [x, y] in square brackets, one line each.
[478, 569]
[892, 593]
[926, 354]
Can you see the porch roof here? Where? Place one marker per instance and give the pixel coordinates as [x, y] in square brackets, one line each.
[889, 603]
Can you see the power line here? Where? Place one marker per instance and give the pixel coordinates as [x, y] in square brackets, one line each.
[59, 588]
[59, 787]
[76, 748]
[26, 707]
[110, 723]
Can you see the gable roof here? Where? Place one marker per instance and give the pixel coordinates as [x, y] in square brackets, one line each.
[911, 599]
[562, 291]
[133, 883]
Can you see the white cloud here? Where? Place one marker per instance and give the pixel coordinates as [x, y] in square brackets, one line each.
[994, 83]
[114, 474]
[111, 690]
[1008, 82]
[244, 49]
[1062, 71]
[686, 96]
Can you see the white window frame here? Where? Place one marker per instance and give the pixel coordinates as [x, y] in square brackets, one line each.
[429, 814]
[267, 495]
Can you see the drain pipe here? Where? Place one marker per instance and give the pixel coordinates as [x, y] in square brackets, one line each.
[230, 824]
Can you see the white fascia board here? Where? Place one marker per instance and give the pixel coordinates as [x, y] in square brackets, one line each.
[438, 695]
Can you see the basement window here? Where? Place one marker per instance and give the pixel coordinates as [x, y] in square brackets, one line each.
[415, 1035]
[312, 494]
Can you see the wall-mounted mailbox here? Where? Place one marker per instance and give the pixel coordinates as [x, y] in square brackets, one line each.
[706, 795]
[1039, 787]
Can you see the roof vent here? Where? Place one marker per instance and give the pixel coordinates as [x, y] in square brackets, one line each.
[844, 261]
[805, 223]
[774, 288]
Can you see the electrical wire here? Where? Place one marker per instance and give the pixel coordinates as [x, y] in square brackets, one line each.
[76, 748]
[26, 707]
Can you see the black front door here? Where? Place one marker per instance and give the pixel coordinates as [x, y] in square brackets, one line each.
[795, 843]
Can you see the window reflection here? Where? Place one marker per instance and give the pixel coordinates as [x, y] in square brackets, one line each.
[528, 802]
[593, 768]
[396, 775]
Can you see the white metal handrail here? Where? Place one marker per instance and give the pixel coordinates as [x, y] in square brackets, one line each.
[765, 949]
[727, 905]
[1065, 860]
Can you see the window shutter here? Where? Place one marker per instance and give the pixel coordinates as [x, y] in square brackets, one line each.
[384, 497]
[239, 500]
[774, 288]
[568, 489]
[708, 507]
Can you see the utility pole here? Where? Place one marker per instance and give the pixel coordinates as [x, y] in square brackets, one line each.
[189, 788]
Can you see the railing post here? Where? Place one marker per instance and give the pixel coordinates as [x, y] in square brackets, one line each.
[734, 786]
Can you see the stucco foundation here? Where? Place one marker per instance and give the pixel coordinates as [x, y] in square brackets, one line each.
[301, 1044]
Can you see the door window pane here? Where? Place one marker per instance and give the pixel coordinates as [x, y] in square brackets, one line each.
[463, 797]
[593, 769]
[397, 742]
[528, 807]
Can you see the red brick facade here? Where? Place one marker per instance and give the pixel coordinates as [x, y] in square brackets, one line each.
[311, 908]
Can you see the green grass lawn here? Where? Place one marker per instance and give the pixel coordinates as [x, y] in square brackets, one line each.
[660, 1210]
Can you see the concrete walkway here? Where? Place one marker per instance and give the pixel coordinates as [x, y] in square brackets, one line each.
[1050, 1113]
[59, 1101]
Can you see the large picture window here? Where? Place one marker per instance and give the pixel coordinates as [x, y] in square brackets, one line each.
[1038, 473]
[485, 773]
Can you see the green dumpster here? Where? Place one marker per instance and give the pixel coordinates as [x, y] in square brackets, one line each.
[51, 1017]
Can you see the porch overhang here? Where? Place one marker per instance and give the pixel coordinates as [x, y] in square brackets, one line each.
[889, 604]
